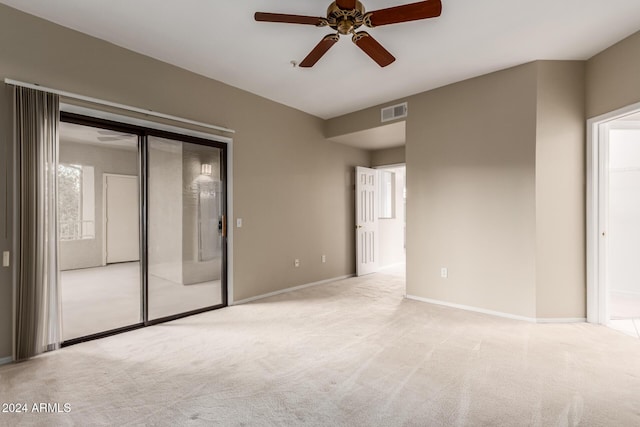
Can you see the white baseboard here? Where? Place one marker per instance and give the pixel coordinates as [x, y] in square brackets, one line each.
[628, 293]
[291, 289]
[561, 320]
[6, 360]
[497, 313]
[470, 308]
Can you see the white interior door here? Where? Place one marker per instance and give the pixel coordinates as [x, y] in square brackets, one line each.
[366, 221]
[603, 223]
[121, 218]
[622, 228]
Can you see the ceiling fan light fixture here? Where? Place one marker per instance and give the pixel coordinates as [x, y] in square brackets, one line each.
[346, 16]
[345, 21]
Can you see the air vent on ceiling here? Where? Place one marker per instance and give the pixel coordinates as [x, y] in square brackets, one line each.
[394, 112]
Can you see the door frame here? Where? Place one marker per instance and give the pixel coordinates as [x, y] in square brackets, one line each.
[144, 128]
[127, 123]
[596, 210]
[104, 210]
[224, 173]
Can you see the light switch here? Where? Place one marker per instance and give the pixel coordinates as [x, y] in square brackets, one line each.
[239, 222]
[5, 259]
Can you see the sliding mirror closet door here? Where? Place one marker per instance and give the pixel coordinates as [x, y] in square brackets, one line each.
[185, 227]
[98, 229]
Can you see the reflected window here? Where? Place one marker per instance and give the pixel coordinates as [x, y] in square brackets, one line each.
[76, 211]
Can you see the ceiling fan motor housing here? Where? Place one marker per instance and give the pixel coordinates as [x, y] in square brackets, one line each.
[345, 21]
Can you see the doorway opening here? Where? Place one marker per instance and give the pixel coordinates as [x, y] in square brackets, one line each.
[392, 218]
[613, 218]
[380, 219]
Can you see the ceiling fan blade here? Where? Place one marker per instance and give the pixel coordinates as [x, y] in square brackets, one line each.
[319, 51]
[346, 4]
[109, 138]
[289, 19]
[372, 48]
[109, 132]
[407, 12]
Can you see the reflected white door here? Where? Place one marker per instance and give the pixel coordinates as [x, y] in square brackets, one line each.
[121, 218]
[366, 221]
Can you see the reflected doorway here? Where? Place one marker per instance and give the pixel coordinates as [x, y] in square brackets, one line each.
[100, 284]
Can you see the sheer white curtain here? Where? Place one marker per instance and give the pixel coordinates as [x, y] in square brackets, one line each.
[37, 303]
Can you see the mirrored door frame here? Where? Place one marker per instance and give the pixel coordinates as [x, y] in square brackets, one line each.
[143, 133]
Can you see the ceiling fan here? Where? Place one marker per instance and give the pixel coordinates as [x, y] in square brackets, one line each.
[346, 16]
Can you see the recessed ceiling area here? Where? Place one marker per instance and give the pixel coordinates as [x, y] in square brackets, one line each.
[221, 40]
[378, 138]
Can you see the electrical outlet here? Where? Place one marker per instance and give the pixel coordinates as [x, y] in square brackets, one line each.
[444, 272]
[324, 259]
[296, 263]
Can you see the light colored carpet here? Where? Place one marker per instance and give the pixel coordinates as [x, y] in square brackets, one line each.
[630, 327]
[348, 353]
[103, 298]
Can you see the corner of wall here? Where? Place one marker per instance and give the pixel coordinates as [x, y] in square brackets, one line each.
[471, 192]
[560, 190]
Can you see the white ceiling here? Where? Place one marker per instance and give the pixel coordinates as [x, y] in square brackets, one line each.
[220, 39]
[70, 132]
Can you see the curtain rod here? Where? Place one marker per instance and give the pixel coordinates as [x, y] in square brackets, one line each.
[116, 105]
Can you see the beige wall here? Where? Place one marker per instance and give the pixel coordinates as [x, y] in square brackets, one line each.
[294, 191]
[495, 184]
[560, 190]
[368, 118]
[388, 156]
[471, 192]
[612, 77]
[293, 188]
